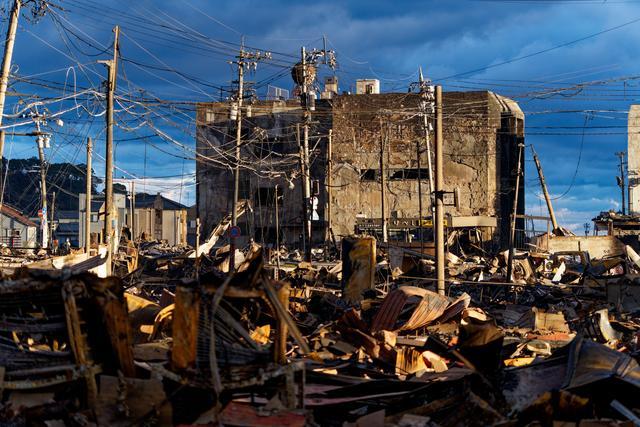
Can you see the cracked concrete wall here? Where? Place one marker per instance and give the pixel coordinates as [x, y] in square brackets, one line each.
[475, 140]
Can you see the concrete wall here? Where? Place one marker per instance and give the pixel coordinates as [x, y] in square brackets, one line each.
[28, 234]
[597, 246]
[481, 131]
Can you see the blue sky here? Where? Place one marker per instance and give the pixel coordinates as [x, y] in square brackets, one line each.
[575, 129]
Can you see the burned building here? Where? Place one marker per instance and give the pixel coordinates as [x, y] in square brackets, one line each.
[348, 137]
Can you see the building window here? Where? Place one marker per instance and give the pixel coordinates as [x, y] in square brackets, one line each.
[368, 174]
[408, 174]
[266, 196]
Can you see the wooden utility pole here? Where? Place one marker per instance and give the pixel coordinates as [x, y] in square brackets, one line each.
[512, 233]
[6, 63]
[545, 192]
[112, 73]
[87, 209]
[620, 179]
[439, 219]
[383, 187]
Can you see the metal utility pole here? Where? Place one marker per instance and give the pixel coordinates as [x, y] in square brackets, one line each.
[383, 185]
[6, 62]
[112, 73]
[439, 219]
[249, 60]
[620, 178]
[512, 231]
[87, 209]
[44, 228]
[543, 184]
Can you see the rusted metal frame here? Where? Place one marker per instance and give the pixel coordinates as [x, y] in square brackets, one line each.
[213, 360]
[237, 327]
[73, 374]
[77, 340]
[269, 373]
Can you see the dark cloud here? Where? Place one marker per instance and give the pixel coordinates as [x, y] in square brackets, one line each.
[374, 38]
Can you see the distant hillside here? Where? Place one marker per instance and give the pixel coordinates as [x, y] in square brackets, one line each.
[22, 189]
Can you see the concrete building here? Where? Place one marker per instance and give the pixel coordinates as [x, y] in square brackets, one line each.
[160, 218]
[66, 226]
[97, 216]
[16, 230]
[156, 217]
[482, 131]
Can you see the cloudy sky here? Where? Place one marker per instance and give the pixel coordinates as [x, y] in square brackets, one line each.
[572, 66]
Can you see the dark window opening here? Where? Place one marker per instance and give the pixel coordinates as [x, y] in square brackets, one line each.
[266, 196]
[406, 174]
[369, 175]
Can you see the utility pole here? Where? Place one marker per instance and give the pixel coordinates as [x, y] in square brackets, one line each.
[6, 63]
[383, 185]
[44, 227]
[303, 174]
[4, 73]
[620, 178]
[53, 208]
[249, 60]
[87, 209]
[197, 248]
[426, 105]
[512, 231]
[587, 228]
[439, 218]
[307, 193]
[112, 73]
[133, 212]
[277, 275]
[545, 192]
[132, 208]
[329, 184]
[306, 185]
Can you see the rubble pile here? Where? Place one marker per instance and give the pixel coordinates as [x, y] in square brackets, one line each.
[364, 340]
